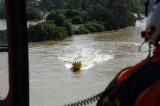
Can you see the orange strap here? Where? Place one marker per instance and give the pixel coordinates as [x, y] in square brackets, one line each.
[131, 70]
[150, 97]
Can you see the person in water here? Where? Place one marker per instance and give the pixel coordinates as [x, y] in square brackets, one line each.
[139, 85]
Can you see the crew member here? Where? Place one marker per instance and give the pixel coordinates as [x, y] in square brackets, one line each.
[139, 85]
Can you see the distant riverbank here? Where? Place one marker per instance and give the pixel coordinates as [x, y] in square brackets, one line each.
[40, 34]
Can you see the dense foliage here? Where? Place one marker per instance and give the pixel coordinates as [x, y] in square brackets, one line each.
[93, 15]
[77, 20]
[60, 20]
[47, 31]
[33, 14]
[2, 13]
[3, 36]
[57, 18]
[116, 13]
[49, 5]
[90, 27]
[71, 13]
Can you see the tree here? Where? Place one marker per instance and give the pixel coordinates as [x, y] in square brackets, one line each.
[58, 4]
[72, 4]
[46, 5]
[75, 3]
[2, 12]
[33, 14]
[117, 13]
[85, 4]
[71, 13]
[31, 3]
[57, 18]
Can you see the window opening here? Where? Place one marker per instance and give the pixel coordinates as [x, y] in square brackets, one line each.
[4, 85]
[52, 49]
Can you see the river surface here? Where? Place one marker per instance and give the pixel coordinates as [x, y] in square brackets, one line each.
[103, 55]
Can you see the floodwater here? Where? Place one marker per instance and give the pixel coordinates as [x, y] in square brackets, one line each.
[103, 55]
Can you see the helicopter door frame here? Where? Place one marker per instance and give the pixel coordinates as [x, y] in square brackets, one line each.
[18, 94]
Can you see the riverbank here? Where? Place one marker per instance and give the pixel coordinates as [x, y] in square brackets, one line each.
[45, 31]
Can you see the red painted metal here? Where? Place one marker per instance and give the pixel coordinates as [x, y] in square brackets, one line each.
[18, 94]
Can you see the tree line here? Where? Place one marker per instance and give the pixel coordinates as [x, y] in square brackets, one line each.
[92, 15]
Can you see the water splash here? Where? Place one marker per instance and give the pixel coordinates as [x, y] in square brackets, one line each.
[88, 58]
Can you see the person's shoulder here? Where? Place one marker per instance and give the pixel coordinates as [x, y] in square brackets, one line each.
[149, 96]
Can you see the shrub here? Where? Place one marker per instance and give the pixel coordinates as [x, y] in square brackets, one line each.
[60, 20]
[2, 13]
[3, 36]
[36, 33]
[46, 31]
[60, 33]
[94, 27]
[68, 26]
[51, 16]
[85, 16]
[33, 14]
[90, 27]
[71, 13]
[77, 20]
[82, 30]
[57, 18]
[108, 26]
